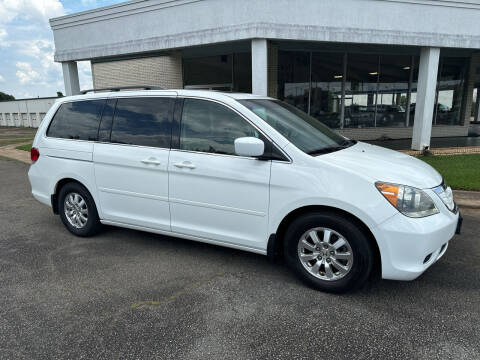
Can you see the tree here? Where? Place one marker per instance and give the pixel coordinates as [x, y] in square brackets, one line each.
[6, 97]
[59, 94]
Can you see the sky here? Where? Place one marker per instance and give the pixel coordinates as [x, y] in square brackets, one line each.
[27, 68]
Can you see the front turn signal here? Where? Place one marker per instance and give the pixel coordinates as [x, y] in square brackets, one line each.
[390, 191]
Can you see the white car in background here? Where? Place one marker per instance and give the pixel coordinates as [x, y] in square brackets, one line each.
[242, 171]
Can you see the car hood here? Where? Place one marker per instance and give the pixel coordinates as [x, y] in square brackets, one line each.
[380, 164]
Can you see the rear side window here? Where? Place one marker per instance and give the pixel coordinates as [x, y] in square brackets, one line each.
[143, 121]
[77, 120]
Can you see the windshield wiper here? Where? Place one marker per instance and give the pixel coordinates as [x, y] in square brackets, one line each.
[326, 150]
[348, 143]
[329, 149]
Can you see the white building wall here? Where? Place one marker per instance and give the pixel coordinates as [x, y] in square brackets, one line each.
[24, 112]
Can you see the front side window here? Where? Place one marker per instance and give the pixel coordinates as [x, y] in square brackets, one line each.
[143, 121]
[211, 127]
[77, 120]
[305, 132]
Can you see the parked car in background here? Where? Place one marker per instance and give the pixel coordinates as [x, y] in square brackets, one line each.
[390, 115]
[359, 116]
[243, 171]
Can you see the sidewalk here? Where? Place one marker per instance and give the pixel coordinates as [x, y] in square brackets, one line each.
[9, 151]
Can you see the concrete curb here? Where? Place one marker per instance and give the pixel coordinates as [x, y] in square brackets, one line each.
[446, 151]
[467, 199]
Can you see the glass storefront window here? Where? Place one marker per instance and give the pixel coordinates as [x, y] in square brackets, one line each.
[410, 109]
[242, 72]
[326, 93]
[392, 95]
[213, 71]
[294, 78]
[379, 90]
[361, 90]
[450, 87]
[232, 72]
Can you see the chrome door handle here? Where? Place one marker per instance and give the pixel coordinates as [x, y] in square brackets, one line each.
[151, 161]
[185, 164]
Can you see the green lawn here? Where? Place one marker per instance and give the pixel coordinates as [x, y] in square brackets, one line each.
[27, 147]
[459, 171]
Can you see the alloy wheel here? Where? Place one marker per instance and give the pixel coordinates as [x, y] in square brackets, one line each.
[76, 210]
[325, 253]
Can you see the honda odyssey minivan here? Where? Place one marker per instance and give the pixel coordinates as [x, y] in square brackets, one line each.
[243, 171]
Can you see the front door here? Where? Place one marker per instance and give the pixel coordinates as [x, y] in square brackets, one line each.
[215, 194]
[131, 161]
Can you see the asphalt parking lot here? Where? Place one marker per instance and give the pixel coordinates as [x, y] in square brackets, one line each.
[68, 297]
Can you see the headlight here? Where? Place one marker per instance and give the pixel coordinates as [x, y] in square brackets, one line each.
[445, 193]
[408, 200]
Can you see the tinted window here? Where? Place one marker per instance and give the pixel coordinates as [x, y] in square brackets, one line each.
[143, 121]
[77, 120]
[210, 127]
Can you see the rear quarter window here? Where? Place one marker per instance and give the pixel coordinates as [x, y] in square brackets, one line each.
[77, 120]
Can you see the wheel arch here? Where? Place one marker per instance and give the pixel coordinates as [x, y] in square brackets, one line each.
[58, 187]
[275, 241]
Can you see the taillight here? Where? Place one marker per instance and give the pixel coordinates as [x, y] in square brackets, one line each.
[34, 154]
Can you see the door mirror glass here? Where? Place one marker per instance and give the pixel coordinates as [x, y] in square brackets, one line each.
[249, 146]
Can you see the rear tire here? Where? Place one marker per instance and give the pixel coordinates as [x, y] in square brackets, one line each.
[78, 211]
[329, 252]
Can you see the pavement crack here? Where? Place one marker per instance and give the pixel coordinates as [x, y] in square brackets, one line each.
[176, 294]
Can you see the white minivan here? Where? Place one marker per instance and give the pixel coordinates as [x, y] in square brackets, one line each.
[243, 171]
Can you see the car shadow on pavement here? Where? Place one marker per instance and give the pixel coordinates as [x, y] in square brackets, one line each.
[448, 274]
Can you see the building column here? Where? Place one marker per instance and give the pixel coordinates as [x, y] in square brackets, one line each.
[426, 90]
[70, 78]
[260, 67]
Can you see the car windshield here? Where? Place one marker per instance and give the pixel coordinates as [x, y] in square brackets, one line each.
[305, 132]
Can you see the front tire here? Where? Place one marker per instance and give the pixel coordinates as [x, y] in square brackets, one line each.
[78, 211]
[329, 252]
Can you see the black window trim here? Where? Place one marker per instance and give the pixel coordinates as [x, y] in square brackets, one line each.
[177, 122]
[72, 101]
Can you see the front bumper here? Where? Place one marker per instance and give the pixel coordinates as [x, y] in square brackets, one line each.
[409, 246]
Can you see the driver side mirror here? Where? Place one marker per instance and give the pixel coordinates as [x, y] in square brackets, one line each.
[249, 146]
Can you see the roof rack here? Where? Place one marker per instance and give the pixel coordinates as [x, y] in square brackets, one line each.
[119, 88]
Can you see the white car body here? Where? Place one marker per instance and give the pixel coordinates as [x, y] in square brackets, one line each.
[238, 201]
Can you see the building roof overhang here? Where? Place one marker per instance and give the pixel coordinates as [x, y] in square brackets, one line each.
[142, 26]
